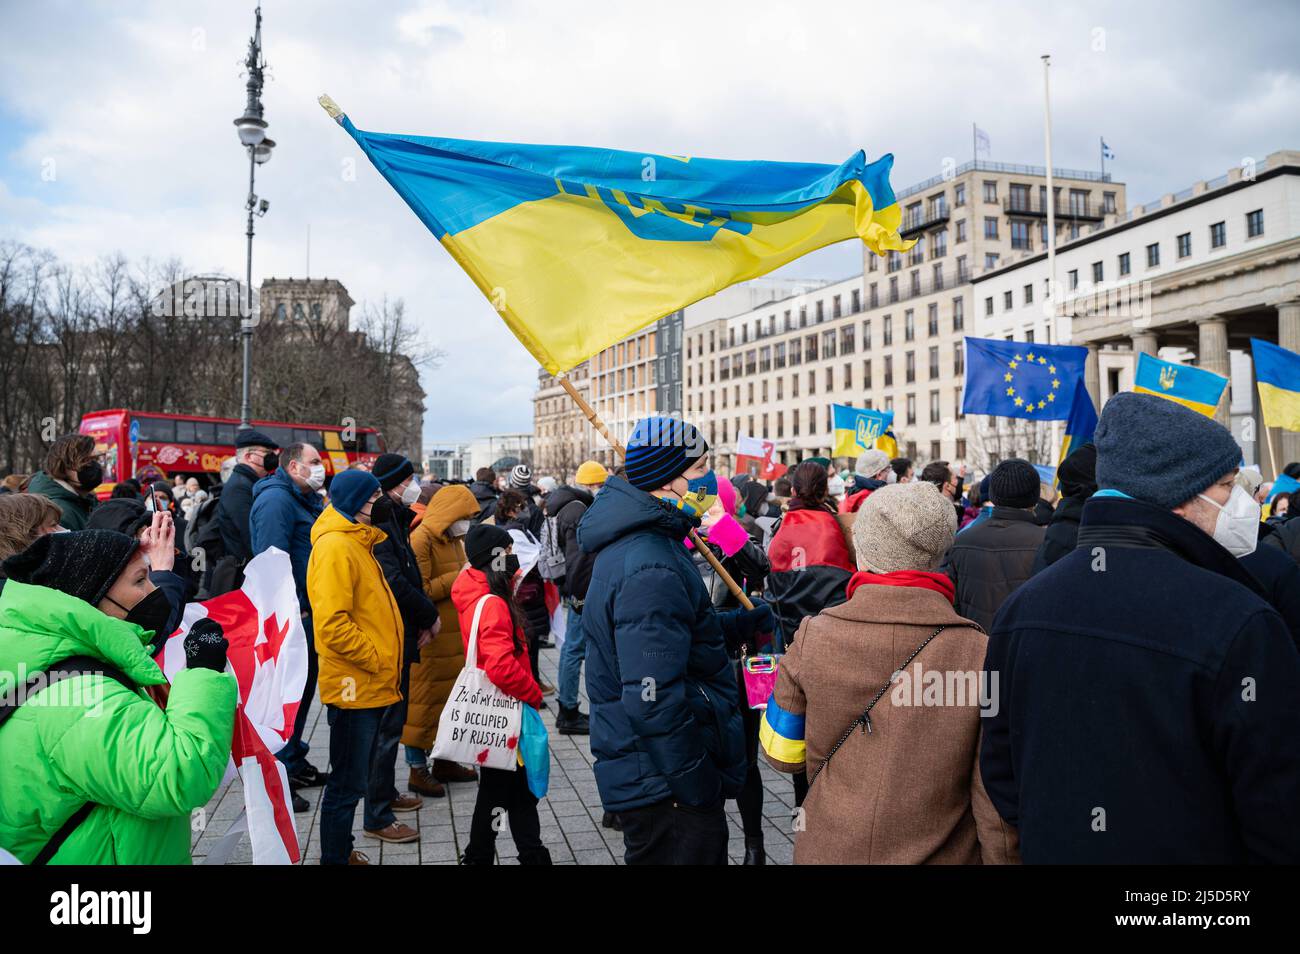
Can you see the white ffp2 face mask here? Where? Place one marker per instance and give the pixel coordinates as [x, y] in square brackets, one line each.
[316, 477]
[458, 528]
[411, 493]
[1237, 528]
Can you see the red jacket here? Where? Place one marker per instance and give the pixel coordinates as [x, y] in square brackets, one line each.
[504, 659]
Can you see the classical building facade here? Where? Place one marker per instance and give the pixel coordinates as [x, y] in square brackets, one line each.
[1192, 276]
[303, 300]
[891, 337]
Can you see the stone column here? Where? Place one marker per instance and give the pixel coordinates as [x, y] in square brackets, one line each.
[1212, 355]
[1288, 336]
[1145, 342]
[1092, 376]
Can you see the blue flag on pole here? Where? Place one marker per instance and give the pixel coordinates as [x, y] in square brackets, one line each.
[1021, 379]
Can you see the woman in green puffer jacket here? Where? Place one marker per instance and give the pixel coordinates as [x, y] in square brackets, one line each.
[93, 739]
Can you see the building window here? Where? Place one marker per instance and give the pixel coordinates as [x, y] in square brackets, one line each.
[873, 296]
[765, 358]
[1153, 255]
[961, 231]
[911, 410]
[794, 385]
[835, 306]
[990, 261]
[1098, 272]
[1073, 279]
[1006, 301]
[810, 348]
[909, 367]
[963, 273]
[909, 325]
[1107, 202]
[794, 422]
[893, 289]
[1185, 245]
[866, 375]
[828, 344]
[934, 362]
[990, 191]
[988, 307]
[889, 371]
[939, 244]
[812, 382]
[1029, 335]
[958, 359]
[936, 276]
[960, 413]
[934, 412]
[780, 356]
[1218, 235]
[820, 312]
[1079, 201]
[961, 448]
[1125, 264]
[990, 227]
[932, 319]
[1020, 236]
[889, 330]
[830, 380]
[857, 297]
[959, 194]
[846, 340]
[1255, 223]
[1029, 293]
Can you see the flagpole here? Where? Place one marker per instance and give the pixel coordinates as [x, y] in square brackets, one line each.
[1101, 147]
[1053, 331]
[974, 147]
[594, 420]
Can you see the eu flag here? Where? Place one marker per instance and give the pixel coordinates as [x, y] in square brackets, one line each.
[1021, 379]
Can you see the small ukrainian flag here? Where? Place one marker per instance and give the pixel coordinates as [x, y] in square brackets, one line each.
[1188, 385]
[1277, 372]
[857, 429]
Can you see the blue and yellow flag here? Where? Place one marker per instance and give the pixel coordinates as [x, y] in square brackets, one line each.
[888, 443]
[857, 429]
[1277, 371]
[1188, 385]
[1081, 423]
[1021, 379]
[578, 247]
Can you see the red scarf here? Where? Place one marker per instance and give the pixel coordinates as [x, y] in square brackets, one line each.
[922, 579]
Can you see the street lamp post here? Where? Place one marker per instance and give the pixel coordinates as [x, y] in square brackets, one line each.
[252, 135]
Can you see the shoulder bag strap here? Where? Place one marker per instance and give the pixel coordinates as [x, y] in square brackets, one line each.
[864, 719]
[65, 669]
[471, 651]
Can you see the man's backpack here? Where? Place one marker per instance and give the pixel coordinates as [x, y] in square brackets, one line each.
[550, 564]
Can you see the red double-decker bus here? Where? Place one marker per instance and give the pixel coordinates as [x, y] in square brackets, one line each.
[133, 442]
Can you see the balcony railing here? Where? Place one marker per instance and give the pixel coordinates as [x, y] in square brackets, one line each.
[919, 222]
[983, 165]
[1037, 207]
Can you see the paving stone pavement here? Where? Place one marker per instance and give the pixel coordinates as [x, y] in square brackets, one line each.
[570, 814]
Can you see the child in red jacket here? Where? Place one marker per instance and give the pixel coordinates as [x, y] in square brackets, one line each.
[503, 656]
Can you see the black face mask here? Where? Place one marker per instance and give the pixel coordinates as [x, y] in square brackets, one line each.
[381, 510]
[512, 564]
[152, 612]
[90, 476]
[271, 462]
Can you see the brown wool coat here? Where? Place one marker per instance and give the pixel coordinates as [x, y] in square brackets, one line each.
[441, 558]
[909, 792]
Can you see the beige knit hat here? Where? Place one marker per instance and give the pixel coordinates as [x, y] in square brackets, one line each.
[904, 527]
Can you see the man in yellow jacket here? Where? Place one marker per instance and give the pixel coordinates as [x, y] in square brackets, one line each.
[359, 641]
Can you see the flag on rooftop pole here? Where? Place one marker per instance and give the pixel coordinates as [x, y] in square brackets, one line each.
[577, 247]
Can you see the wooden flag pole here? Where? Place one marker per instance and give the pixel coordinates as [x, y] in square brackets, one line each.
[594, 420]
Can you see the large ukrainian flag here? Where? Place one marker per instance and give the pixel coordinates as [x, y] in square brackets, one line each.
[578, 247]
[1277, 372]
[1188, 385]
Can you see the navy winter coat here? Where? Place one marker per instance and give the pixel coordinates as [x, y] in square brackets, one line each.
[402, 571]
[282, 516]
[1148, 703]
[233, 509]
[665, 706]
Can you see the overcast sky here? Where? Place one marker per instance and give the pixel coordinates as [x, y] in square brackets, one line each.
[132, 114]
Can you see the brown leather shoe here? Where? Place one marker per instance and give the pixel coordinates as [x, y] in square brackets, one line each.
[406, 803]
[423, 783]
[445, 771]
[358, 858]
[395, 834]
[546, 687]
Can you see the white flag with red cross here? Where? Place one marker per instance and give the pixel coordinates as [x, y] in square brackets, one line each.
[268, 655]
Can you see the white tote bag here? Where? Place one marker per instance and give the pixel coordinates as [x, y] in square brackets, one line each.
[480, 724]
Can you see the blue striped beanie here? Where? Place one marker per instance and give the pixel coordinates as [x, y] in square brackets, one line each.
[660, 449]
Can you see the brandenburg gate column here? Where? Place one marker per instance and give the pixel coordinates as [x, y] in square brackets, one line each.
[1288, 336]
[1212, 355]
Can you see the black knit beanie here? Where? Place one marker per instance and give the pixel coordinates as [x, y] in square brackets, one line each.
[391, 469]
[83, 563]
[483, 542]
[1014, 483]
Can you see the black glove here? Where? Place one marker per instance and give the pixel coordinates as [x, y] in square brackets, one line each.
[742, 627]
[206, 645]
[757, 621]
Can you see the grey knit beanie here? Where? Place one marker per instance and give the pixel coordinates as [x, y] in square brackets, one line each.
[1157, 450]
[904, 527]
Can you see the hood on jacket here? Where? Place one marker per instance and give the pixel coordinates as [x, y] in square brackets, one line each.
[621, 509]
[454, 502]
[279, 480]
[561, 497]
[483, 492]
[52, 625]
[331, 521]
[123, 514]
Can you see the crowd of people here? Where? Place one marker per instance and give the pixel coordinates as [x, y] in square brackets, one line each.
[1103, 669]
